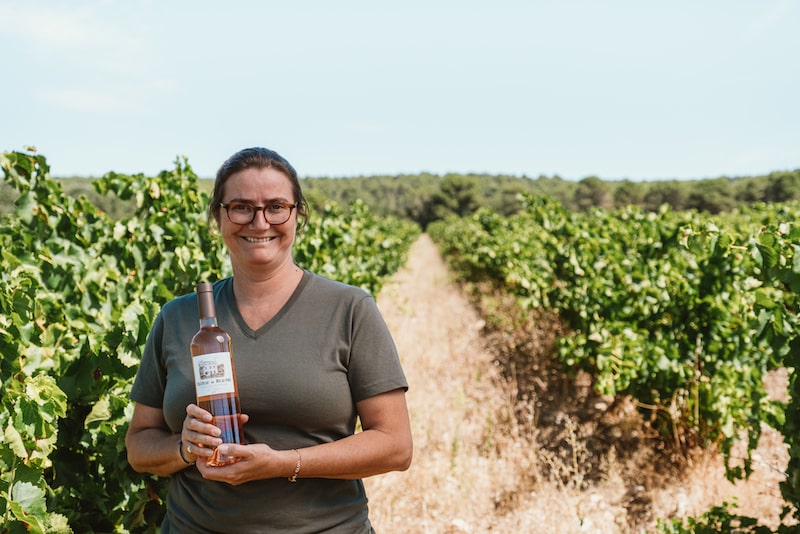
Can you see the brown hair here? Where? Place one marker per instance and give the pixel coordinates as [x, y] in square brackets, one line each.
[257, 158]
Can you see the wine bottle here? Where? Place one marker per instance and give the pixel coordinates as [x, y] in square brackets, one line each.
[215, 375]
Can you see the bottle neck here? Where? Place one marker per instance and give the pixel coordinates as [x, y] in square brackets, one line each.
[207, 322]
[205, 305]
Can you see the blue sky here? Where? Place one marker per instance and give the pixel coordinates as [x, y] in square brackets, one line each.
[617, 89]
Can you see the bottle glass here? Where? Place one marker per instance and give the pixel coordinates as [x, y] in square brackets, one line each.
[215, 375]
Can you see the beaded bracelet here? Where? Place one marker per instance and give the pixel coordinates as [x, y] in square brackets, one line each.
[293, 478]
[180, 450]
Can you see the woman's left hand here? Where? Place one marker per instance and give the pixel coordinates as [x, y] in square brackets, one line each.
[256, 461]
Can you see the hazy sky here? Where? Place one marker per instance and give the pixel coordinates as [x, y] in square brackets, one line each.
[616, 89]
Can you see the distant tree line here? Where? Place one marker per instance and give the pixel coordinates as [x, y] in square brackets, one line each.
[425, 198]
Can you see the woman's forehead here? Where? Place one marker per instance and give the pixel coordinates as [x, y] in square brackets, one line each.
[266, 184]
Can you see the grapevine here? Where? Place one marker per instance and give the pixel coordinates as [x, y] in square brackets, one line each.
[683, 312]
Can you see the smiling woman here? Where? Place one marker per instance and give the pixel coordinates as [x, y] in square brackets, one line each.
[313, 356]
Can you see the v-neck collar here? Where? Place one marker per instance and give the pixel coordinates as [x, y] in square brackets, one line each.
[263, 329]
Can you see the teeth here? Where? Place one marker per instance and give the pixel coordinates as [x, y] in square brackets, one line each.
[258, 239]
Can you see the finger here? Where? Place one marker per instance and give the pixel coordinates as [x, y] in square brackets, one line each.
[198, 426]
[199, 450]
[196, 412]
[206, 437]
[233, 449]
[189, 452]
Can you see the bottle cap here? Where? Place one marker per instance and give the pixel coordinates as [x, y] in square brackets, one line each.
[205, 300]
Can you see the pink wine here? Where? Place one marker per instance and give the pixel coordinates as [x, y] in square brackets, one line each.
[215, 375]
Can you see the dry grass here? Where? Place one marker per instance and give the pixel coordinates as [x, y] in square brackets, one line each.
[497, 451]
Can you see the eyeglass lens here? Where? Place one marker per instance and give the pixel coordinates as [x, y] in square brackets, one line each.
[240, 213]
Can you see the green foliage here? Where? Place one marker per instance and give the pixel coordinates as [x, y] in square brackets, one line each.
[665, 307]
[79, 293]
[426, 198]
[776, 251]
[360, 248]
[718, 520]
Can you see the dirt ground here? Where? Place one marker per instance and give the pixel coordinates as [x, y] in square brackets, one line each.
[489, 459]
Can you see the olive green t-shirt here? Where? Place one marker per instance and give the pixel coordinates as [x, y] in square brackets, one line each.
[299, 377]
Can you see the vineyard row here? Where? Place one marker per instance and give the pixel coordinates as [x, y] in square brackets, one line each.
[683, 312]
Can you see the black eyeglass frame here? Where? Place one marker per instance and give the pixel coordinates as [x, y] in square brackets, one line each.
[256, 209]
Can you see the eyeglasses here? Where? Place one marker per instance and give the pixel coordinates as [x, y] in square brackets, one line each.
[243, 213]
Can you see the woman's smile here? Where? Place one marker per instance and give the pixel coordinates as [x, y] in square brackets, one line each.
[258, 239]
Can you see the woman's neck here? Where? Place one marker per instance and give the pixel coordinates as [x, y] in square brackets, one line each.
[260, 296]
[255, 285]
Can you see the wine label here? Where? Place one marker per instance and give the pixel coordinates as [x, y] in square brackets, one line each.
[213, 373]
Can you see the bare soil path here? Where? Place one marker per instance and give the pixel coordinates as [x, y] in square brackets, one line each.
[476, 469]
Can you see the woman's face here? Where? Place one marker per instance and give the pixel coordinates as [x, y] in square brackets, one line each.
[258, 244]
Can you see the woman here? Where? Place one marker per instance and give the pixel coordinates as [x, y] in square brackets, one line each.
[312, 355]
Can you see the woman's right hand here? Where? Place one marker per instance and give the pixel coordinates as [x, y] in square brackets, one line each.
[199, 434]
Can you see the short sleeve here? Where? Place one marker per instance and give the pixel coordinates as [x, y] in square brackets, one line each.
[374, 365]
